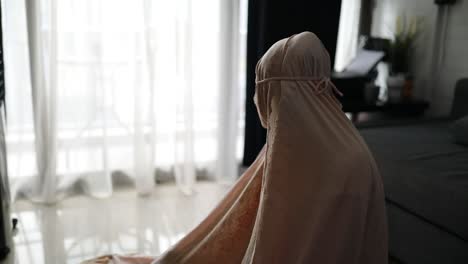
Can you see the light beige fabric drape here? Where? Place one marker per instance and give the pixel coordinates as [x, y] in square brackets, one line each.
[314, 194]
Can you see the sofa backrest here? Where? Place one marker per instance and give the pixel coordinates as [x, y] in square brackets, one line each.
[460, 99]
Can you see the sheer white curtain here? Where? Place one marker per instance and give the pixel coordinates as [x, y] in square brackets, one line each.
[348, 32]
[101, 90]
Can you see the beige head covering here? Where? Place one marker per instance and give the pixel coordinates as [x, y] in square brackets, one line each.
[300, 58]
[314, 194]
[322, 197]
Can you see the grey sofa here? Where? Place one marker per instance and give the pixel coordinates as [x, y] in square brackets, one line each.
[425, 177]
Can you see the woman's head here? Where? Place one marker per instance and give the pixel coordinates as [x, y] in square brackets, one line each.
[301, 57]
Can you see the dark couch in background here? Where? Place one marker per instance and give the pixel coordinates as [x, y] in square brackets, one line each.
[425, 176]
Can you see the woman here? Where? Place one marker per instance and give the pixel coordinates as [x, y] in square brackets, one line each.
[314, 194]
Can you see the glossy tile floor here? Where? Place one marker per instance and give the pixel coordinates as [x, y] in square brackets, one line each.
[80, 228]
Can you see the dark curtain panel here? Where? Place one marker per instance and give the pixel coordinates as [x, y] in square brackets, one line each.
[365, 23]
[2, 77]
[268, 22]
[4, 250]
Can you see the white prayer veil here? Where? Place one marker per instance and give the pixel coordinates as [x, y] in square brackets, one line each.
[322, 195]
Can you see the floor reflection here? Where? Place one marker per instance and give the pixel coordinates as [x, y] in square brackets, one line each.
[80, 228]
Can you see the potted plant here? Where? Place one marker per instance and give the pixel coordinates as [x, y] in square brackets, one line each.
[400, 80]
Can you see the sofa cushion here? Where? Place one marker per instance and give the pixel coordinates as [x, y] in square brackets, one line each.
[424, 171]
[459, 130]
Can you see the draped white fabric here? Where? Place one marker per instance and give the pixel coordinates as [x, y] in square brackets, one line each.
[347, 42]
[140, 89]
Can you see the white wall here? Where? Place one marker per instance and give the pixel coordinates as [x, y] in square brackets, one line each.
[455, 58]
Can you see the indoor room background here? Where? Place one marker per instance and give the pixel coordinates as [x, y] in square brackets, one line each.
[124, 122]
